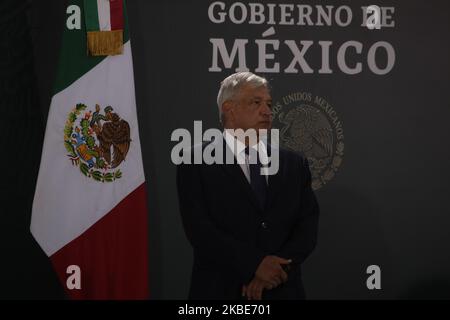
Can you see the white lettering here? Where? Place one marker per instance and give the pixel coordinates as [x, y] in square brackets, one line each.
[73, 22]
[337, 16]
[74, 280]
[386, 16]
[374, 281]
[321, 14]
[371, 61]
[178, 154]
[285, 14]
[325, 45]
[233, 12]
[302, 15]
[374, 21]
[298, 56]
[221, 14]
[238, 47]
[263, 56]
[256, 13]
[341, 57]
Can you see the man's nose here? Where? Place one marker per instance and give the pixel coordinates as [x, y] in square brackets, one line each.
[266, 110]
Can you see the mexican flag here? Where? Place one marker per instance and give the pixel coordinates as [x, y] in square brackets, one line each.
[89, 209]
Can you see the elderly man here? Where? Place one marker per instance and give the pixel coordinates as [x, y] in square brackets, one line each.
[250, 232]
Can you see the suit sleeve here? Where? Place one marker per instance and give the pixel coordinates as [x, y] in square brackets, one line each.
[206, 238]
[303, 237]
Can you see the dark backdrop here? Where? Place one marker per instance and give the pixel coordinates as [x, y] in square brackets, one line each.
[388, 201]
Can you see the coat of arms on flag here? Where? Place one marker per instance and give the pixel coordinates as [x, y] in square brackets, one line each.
[97, 142]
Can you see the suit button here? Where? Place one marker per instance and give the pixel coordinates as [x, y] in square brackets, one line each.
[264, 225]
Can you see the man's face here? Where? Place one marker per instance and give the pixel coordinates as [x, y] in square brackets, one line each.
[252, 108]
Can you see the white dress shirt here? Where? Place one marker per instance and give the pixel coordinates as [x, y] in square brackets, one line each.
[241, 156]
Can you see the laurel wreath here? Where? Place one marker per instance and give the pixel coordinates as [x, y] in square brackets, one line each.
[335, 163]
[84, 168]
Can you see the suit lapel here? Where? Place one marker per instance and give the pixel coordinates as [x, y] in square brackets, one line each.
[234, 170]
[275, 182]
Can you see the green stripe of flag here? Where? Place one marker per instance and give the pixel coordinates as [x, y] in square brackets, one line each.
[91, 15]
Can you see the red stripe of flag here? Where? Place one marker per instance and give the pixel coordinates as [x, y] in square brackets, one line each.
[116, 7]
[112, 254]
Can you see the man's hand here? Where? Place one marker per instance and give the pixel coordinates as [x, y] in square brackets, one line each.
[270, 270]
[254, 290]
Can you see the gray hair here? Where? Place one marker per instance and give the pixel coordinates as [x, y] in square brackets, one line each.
[231, 85]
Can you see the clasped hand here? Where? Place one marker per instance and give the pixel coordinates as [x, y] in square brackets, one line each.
[269, 275]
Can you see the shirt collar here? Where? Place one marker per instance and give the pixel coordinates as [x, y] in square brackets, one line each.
[231, 140]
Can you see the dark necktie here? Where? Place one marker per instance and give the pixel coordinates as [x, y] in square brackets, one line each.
[257, 180]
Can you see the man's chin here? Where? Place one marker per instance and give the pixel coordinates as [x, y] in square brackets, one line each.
[267, 125]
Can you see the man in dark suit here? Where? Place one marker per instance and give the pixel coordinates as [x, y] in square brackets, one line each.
[250, 232]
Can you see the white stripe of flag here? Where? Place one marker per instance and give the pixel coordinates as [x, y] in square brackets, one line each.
[104, 15]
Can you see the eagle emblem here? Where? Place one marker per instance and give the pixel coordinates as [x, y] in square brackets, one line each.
[308, 124]
[306, 131]
[97, 142]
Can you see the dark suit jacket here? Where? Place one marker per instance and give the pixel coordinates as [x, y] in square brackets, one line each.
[231, 233]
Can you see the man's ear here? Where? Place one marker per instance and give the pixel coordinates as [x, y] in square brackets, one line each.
[227, 109]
